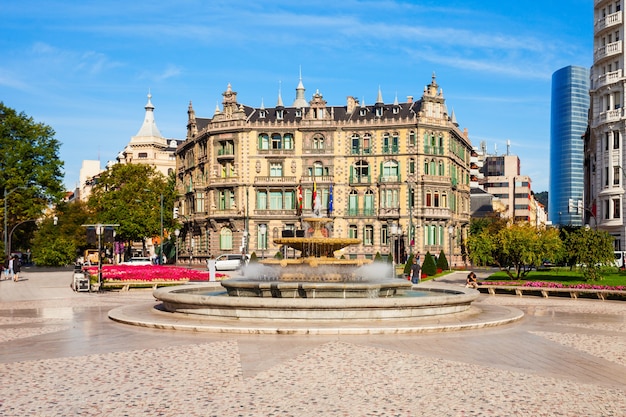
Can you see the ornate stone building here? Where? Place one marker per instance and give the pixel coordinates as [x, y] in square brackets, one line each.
[394, 175]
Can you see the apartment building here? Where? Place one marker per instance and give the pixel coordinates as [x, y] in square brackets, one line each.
[393, 174]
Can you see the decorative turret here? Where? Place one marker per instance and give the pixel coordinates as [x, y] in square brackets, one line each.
[300, 100]
[149, 127]
[192, 126]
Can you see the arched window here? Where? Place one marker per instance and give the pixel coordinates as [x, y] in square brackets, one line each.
[442, 170]
[318, 141]
[318, 169]
[386, 143]
[356, 144]
[395, 142]
[264, 141]
[288, 141]
[277, 141]
[390, 169]
[226, 239]
[361, 172]
[411, 137]
[353, 203]
[368, 203]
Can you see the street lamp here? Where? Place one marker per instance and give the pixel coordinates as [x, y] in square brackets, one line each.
[396, 232]
[176, 233]
[6, 194]
[263, 231]
[13, 229]
[451, 232]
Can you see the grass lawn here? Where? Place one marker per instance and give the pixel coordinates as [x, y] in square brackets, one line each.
[565, 276]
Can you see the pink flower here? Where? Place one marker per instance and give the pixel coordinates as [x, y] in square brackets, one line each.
[150, 273]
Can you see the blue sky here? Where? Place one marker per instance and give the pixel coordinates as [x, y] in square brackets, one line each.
[85, 67]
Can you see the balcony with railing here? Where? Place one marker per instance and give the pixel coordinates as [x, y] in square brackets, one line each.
[355, 212]
[277, 213]
[608, 50]
[433, 150]
[225, 153]
[608, 21]
[390, 179]
[219, 181]
[436, 213]
[389, 212]
[357, 150]
[608, 78]
[435, 180]
[609, 116]
[269, 180]
[360, 179]
[317, 179]
[390, 149]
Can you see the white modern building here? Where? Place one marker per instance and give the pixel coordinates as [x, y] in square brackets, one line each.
[604, 143]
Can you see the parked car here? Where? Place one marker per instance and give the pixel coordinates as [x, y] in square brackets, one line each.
[138, 260]
[229, 262]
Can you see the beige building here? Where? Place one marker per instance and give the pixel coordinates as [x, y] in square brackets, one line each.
[148, 146]
[394, 175]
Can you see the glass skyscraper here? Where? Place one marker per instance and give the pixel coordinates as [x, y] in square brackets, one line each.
[568, 123]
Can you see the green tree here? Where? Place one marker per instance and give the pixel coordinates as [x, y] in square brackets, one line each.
[429, 268]
[407, 265]
[61, 243]
[30, 169]
[590, 249]
[130, 195]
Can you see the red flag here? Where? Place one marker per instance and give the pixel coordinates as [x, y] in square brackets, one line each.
[300, 199]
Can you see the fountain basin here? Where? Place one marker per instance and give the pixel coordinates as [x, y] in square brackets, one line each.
[212, 301]
[244, 287]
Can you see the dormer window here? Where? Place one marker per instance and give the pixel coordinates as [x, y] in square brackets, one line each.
[396, 110]
[379, 112]
[262, 114]
[363, 112]
[298, 112]
[279, 114]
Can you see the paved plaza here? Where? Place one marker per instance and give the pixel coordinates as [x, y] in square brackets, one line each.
[60, 355]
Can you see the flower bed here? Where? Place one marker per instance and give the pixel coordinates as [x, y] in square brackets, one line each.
[544, 284]
[149, 273]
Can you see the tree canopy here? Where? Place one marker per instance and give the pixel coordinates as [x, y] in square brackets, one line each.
[30, 168]
[130, 195]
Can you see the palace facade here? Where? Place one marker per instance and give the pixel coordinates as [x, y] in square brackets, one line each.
[396, 176]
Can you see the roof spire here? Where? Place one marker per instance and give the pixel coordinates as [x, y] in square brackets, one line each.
[379, 98]
[300, 100]
[280, 97]
[149, 127]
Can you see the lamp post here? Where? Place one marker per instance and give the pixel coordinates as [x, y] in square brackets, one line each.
[451, 232]
[396, 232]
[263, 231]
[99, 230]
[176, 233]
[13, 229]
[6, 194]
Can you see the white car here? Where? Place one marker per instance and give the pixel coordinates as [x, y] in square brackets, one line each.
[138, 260]
[229, 262]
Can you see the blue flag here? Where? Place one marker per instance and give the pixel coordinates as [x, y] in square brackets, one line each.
[330, 200]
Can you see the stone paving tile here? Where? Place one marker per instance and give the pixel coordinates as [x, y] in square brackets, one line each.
[153, 382]
[611, 348]
[8, 334]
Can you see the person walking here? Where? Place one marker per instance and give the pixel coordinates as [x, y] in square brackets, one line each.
[416, 270]
[8, 268]
[16, 268]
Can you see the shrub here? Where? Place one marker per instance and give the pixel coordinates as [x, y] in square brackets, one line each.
[429, 267]
[442, 262]
[378, 257]
[253, 258]
[407, 266]
[279, 255]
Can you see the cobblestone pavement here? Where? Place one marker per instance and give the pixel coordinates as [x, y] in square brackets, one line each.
[61, 356]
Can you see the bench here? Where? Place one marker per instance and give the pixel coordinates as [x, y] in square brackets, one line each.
[127, 285]
[546, 292]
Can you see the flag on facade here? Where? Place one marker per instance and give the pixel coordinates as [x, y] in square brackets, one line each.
[330, 200]
[299, 200]
[317, 203]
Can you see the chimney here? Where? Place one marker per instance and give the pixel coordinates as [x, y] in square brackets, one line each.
[409, 99]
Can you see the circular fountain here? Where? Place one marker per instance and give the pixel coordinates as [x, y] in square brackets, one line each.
[316, 287]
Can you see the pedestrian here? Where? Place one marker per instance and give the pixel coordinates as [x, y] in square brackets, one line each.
[471, 282]
[17, 267]
[210, 263]
[416, 270]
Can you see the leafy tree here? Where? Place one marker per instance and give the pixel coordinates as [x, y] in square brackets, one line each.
[429, 268]
[518, 246]
[130, 195]
[61, 243]
[591, 249]
[442, 261]
[30, 168]
[378, 257]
